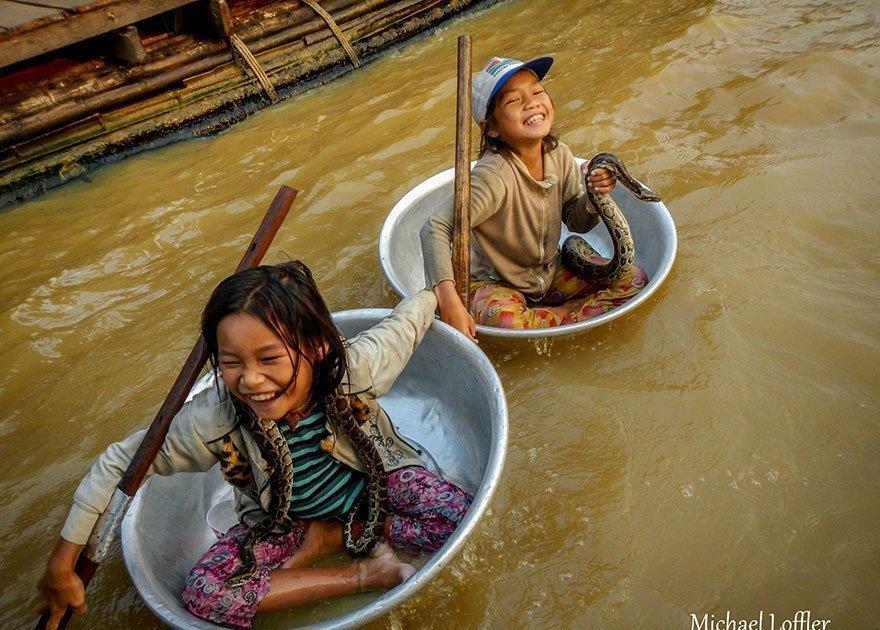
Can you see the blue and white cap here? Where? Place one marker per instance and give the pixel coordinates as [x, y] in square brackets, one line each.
[488, 81]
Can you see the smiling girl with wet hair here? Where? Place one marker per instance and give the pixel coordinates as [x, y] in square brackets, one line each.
[291, 421]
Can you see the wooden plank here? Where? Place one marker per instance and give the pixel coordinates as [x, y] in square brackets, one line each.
[25, 42]
[54, 4]
[13, 14]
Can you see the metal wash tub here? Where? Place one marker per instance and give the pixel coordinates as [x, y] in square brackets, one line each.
[652, 228]
[165, 531]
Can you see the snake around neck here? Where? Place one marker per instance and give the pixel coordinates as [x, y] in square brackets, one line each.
[576, 252]
[346, 413]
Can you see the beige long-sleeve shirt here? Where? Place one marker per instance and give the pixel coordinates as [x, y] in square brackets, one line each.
[516, 222]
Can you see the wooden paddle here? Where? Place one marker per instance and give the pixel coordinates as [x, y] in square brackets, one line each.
[461, 201]
[102, 534]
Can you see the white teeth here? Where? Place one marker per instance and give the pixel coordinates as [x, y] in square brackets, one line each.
[531, 120]
[260, 397]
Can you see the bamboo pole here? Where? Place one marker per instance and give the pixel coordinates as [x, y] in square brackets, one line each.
[382, 19]
[461, 249]
[103, 533]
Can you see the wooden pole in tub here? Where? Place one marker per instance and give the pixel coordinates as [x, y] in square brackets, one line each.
[461, 238]
[108, 523]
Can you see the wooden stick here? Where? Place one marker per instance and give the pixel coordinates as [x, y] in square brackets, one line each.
[91, 556]
[461, 237]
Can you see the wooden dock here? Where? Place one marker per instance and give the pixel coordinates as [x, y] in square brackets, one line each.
[85, 83]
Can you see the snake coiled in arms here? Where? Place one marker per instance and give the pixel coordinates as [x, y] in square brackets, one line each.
[576, 252]
[346, 413]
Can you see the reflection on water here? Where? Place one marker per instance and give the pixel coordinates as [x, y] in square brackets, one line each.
[715, 450]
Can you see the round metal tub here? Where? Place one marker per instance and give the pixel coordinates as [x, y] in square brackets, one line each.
[165, 531]
[400, 250]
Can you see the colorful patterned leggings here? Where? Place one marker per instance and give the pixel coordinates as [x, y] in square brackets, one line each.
[502, 306]
[425, 511]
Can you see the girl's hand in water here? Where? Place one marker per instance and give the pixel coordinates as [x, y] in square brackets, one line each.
[453, 312]
[60, 587]
[600, 180]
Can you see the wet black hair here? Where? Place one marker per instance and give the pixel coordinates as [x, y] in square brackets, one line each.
[286, 299]
[489, 144]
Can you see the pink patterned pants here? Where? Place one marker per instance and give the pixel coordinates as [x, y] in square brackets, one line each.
[425, 511]
[502, 306]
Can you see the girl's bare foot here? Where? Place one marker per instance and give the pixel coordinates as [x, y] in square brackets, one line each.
[382, 569]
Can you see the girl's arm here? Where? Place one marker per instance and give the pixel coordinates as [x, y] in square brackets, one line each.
[184, 450]
[487, 196]
[378, 355]
[577, 211]
[452, 311]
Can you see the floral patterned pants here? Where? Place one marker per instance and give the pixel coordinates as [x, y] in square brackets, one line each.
[424, 510]
[502, 306]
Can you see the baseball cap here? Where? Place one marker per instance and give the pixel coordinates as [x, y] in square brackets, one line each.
[488, 81]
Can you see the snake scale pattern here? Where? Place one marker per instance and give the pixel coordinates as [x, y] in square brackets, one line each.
[274, 448]
[576, 252]
[347, 413]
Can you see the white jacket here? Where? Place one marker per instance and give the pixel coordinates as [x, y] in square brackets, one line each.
[205, 430]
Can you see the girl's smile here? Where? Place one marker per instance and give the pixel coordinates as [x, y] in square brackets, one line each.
[523, 112]
[257, 366]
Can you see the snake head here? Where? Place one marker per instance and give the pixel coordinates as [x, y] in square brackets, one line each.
[613, 163]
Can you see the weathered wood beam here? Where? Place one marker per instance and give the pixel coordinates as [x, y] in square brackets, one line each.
[221, 17]
[54, 4]
[16, 15]
[127, 45]
[17, 45]
[178, 21]
[199, 109]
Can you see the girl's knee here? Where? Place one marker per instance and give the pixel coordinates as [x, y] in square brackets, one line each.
[206, 593]
[453, 504]
[207, 596]
[497, 306]
[429, 509]
[419, 536]
[498, 315]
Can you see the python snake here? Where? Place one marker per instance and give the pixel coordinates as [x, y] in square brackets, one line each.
[346, 413]
[274, 448]
[576, 252]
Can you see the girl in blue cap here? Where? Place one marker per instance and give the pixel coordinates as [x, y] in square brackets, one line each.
[524, 186]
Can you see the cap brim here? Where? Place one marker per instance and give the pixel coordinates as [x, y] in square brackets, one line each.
[539, 65]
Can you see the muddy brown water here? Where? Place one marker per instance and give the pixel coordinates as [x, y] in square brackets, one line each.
[715, 450]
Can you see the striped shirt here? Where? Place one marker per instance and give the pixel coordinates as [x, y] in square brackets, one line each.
[322, 486]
